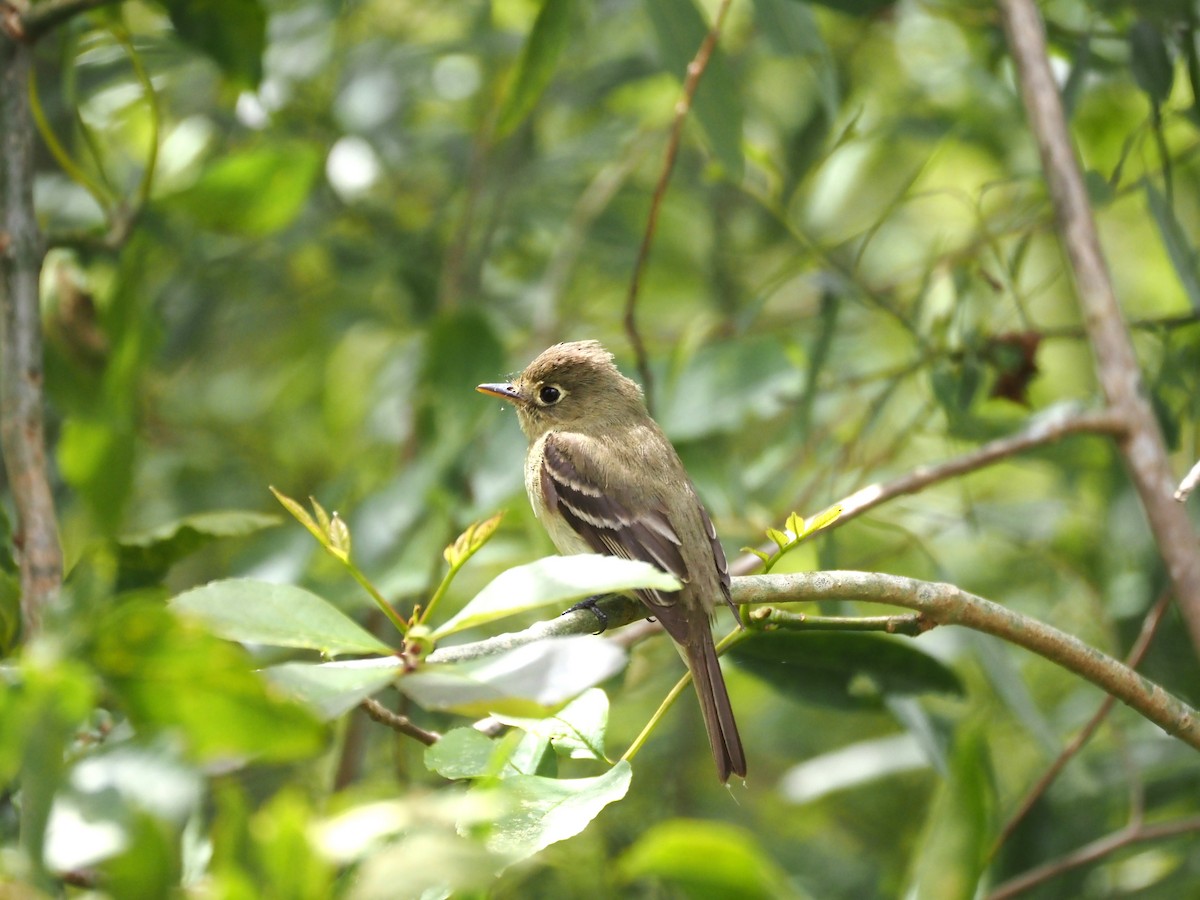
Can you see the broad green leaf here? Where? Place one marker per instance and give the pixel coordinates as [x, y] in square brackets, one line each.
[681, 29]
[254, 192]
[462, 753]
[842, 670]
[577, 729]
[96, 456]
[532, 680]
[706, 859]
[171, 677]
[546, 810]
[555, 580]
[232, 32]
[1150, 61]
[144, 558]
[335, 687]
[282, 615]
[855, 7]
[1180, 248]
[950, 859]
[549, 36]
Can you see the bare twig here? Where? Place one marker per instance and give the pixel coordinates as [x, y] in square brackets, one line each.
[1131, 834]
[1190, 480]
[22, 436]
[397, 722]
[1045, 429]
[910, 624]
[694, 70]
[1116, 365]
[1136, 653]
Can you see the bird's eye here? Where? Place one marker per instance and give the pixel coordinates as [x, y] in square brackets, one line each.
[549, 395]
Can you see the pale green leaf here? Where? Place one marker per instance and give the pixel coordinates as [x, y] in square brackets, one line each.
[281, 615]
[335, 687]
[555, 580]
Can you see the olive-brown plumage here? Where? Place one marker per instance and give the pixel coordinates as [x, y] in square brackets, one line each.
[603, 478]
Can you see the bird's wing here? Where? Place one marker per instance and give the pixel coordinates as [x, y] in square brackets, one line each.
[609, 519]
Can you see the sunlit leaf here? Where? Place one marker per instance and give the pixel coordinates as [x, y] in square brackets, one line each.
[253, 192]
[335, 687]
[555, 580]
[547, 810]
[281, 615]
[705, 859]
[527, 681]
[462, 753]
[577, 729]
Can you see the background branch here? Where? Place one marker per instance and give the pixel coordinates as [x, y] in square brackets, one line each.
[22, 435]
[1117, 369]
[1044, 429]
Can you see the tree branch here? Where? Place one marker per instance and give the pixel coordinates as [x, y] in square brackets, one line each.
[937, 604]
[1116, 365]
[22, 436]
[397, 722]
[1130, 834]
[1044, 429]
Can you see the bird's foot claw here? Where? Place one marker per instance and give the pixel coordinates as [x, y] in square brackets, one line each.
[592, 605]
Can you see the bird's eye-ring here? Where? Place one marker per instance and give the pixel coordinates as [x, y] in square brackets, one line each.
[548, 395]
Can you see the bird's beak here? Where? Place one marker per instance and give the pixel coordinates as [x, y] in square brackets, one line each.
[507, 392]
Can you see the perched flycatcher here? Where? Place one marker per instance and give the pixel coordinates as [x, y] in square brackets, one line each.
[603, 478]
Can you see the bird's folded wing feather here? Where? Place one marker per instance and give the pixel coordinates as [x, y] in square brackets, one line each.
[609, 520]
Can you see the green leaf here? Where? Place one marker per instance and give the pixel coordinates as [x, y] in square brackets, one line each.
[547, 810]
[282, 615]
[253, 193]
[336, 687]
[681, 29]
[951, 858]
[547, 40]
[842, 670]
[462, 753]
[1179, 248]
[171, 677]
[577, 729]
[143, 558]
[1150, 62]
[96, 458]
[532, 680]
[706, 859]
[232, 33]
[555, 580]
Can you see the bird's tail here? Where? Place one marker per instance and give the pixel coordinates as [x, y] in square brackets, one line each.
[722, 730]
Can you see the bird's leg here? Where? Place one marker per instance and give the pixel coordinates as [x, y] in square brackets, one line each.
[592, 605]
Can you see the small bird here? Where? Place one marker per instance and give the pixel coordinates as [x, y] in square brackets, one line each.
[603, 478]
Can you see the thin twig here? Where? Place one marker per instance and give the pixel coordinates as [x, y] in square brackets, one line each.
[1116, 365]
[694, 70]
[1131, 834]
[1044, 429]
[397, 722]
[1136, 653]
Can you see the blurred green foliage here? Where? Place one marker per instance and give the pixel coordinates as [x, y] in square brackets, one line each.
[358, 211]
